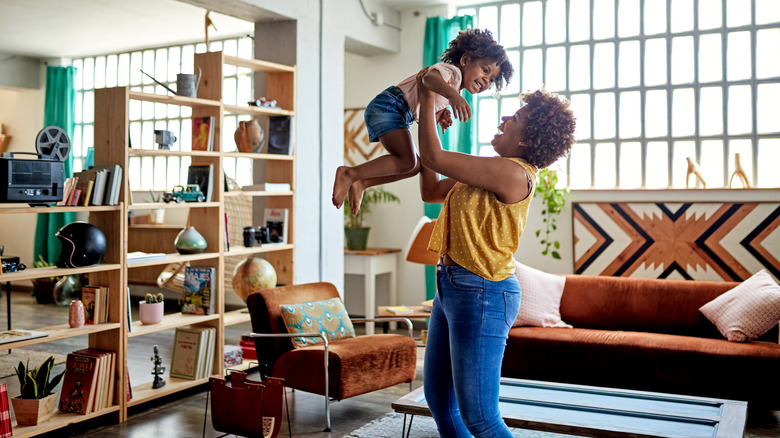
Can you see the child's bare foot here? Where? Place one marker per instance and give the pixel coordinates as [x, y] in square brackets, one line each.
[355, 196]
[340, 186]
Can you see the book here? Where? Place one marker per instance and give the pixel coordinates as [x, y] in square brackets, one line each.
[113, 181]
[399, 310]
[104, 396]
[6, 430]
[203, 133]
[267, 187]
[427, 305]
[140, 256]
[184, 356]
[91, 297]
[78, 383]
[104, 304]
[198, 295]
[85, 183]
[276, 220]
[129, 313]
[202, 174]
[98, 192]
[20, 335]
[67, 190]
[87, 193]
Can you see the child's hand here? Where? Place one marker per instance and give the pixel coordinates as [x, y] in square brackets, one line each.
[444, 119]
[460, 108]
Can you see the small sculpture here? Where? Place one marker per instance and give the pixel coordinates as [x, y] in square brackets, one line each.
[158, 369]
[693, 168]
[739, 172]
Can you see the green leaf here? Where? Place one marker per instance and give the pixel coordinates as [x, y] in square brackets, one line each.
[555, 255]
[557, 244]
[537, 232]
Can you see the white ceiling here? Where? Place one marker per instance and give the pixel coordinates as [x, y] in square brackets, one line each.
[72, 28]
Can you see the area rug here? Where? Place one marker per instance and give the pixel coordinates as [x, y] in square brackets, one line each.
[390, 426]
[10, 361]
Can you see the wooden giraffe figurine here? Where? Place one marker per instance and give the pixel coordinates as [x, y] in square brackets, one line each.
[739, 172]
[693, 168]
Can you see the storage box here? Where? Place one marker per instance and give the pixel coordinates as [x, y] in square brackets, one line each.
[248, 347]
[234, 355]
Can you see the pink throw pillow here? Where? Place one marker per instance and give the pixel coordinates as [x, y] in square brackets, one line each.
[540, 302]
[747, 311]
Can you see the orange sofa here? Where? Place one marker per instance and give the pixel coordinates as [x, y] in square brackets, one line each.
[646, 334]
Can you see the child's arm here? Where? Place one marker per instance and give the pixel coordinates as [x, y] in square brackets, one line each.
[432, 189]
[433, 81]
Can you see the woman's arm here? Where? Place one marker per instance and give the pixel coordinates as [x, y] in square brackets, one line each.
[508, 180]
[433, 80]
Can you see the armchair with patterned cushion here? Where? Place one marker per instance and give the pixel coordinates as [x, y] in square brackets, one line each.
[327, 350]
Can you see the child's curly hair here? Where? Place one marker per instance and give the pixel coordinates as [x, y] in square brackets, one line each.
[479, 43]
[549, 130]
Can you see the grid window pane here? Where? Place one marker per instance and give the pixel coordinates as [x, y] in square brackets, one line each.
[656, 169]
[605, 115]
[682, 15]
[579, 67]
[628, 18]
[710, 58]
[514, 85]
[683, 112]
[111, 71]
[630, 165]
[580, 104]
[579, 30]
[628, 64]
[532, 16]
[738, 13]
[655, 113]
[605, 166]
[630, 115]
[682, 60]
[655, 17]
[710, 14]
[579, 169]
[682, 150]
[532, 69]
[510, 31]
[766, 114]
[655, 62]
[738, 56]
[488, 119]
[555, 13]
[769, 151]
[556, 69]
[767, 11]
[604, 65]
[739, 114]
[711, 111]
[488, 19]
[603, 19]
[767, 50]
[711, 164]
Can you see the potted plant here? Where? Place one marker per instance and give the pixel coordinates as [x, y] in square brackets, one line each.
[553, 201]
[150, 311]
[35, 404]
[355, 232]
[43, 288]
[156, 215]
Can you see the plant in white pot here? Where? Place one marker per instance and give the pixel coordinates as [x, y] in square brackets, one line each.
[156, 215]
[35, 404]
[151, 310]
[356, 234]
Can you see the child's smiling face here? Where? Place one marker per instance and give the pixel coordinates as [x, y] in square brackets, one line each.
[478, 73]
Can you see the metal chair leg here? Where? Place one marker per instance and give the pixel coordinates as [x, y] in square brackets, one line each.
[327, 389]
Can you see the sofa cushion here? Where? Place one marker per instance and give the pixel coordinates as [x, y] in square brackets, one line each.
[327, 316]
[541, 297]
[747, 311]
[357, 365]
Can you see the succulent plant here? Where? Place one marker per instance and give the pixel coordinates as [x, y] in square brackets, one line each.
[154, 298]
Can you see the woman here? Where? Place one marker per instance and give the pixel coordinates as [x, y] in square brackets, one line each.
[486, 201]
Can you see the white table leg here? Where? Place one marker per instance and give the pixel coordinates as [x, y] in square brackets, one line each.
[370, 291]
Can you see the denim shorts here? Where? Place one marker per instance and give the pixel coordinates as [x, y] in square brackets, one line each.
[387, 112]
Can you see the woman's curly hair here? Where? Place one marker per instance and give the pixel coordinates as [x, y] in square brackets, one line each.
[549, 130]
[479, 43]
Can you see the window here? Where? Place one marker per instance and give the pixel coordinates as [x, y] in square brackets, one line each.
[123, 69]
[651, 83]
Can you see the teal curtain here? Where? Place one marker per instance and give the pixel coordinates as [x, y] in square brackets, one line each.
[58, 111]
[439, 31]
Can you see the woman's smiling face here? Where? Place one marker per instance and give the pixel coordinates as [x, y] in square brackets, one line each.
[510, 135]
[478, 73]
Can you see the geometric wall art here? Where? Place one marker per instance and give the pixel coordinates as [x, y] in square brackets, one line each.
[357, 149]
[727, 241]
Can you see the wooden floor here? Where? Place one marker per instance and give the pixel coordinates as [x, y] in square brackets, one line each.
[182, 415]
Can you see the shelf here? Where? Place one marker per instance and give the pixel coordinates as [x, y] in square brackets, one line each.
[251, 156]
[61, 331]
[257, 65]
[256, 193]
[236, 250]
[236, 317]
[169, 153]
[6, 209]
[174, 258]
[52, 271]
[57, 421]
[144, 393]
[156, 205]
[258, 110]
[169, 322]
[193, 102]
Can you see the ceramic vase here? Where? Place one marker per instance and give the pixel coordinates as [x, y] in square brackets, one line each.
[190, 241]
[249, 136]
[150, 313]
[76, 314]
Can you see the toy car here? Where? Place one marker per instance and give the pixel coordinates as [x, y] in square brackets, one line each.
[188, 193]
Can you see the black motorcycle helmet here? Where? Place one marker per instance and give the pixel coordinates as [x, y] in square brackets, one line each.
[83, 244]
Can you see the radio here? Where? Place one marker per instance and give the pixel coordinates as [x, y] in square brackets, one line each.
[36, 181]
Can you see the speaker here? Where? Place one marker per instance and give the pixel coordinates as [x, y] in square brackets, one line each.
[279, 134]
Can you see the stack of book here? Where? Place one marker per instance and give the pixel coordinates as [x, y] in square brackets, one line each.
[193, 352]
[99, 185]
[95, 300]
[88, 384]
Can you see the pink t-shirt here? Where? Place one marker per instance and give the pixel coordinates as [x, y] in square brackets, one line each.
[451, 75]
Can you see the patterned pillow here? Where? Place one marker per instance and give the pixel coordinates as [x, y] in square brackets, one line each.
[747, 311]
[327, 316]
[540, 301]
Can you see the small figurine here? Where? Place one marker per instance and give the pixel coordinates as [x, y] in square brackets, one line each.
[158, 369]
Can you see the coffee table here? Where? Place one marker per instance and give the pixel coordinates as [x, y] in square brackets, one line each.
[602, 412]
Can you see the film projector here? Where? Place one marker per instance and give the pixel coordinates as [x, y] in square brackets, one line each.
[36, 181]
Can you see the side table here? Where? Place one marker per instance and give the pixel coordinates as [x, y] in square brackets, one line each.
[369, 263]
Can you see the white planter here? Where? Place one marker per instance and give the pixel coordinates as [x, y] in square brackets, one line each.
[150, 313]
[157, 216]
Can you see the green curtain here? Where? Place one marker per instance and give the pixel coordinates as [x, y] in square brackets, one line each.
[58, 111]
[439, 31]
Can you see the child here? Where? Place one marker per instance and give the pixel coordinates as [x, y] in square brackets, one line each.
[474, 61]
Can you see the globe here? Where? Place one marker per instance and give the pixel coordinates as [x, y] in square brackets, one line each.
[252, 274]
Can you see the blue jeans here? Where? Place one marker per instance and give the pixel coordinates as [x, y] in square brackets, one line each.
[387, 112]
[469, 324]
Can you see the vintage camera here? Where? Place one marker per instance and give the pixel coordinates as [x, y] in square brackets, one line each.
[12, 264]
[164, 139]
[262, 235]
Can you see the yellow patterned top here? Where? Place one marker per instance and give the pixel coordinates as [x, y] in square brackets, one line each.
[479, 232]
